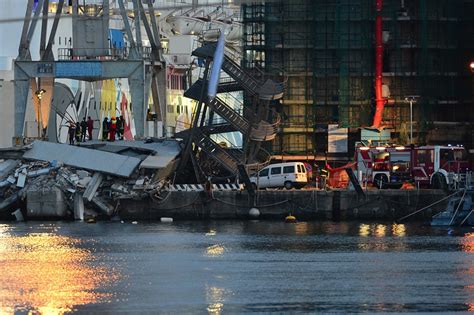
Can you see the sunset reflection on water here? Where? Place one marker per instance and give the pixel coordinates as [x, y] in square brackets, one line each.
[235, 267]
[467, 243]
[47, 273]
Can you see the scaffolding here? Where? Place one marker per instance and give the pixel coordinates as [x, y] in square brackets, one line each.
[326, 49]
[427, 53]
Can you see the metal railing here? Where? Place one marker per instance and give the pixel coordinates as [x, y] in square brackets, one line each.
[263, 159]
[121, 53]
[261, 129]
[464, 181]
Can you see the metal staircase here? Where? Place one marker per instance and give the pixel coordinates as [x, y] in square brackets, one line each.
[228, 85]
[228, 160]
[259, 131]
[265, 89]
[247, 121]
[216, 152]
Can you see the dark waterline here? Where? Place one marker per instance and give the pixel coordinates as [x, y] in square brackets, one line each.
[234, 267]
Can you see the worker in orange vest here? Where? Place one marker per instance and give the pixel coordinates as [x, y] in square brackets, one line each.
[113, 128]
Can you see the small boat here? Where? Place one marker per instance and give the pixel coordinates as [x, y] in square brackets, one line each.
[457, 213]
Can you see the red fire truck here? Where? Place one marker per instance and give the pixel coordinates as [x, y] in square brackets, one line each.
[429, 166]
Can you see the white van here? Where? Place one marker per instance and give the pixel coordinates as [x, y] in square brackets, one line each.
[288, 175]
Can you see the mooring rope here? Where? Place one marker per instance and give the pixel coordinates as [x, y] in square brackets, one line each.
[430, 205]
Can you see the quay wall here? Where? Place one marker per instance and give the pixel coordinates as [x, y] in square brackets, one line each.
[277, 204]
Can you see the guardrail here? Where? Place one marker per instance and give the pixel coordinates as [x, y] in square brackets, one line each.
[121, 53]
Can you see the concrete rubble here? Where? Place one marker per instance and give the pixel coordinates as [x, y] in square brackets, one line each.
[41, 185]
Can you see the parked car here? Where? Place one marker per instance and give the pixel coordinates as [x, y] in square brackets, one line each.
[288, 175]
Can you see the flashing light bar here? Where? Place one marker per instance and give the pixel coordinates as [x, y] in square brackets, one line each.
[364, 148]
[400, 148]
[380, 148]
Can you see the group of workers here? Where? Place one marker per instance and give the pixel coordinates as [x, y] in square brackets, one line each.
[113, 128]
[78, 132]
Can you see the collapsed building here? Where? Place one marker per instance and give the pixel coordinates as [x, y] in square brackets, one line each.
[50, 180]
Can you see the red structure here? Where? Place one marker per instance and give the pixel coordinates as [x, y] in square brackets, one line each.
[380, 102]
[338, 177]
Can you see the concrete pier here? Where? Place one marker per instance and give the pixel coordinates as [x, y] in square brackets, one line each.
[276, 204]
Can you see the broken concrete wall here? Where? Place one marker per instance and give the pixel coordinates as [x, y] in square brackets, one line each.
[46, 202]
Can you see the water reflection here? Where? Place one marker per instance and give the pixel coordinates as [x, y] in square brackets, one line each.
[339, 228]
[364, 230]
[211, 232]
[467, 243]
[216, 296]
[48, 274]
[398, 230]
[381, 230]
[215, 250]
[373, 237]
[235, 267]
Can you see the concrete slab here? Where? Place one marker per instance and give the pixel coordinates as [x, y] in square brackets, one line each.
[165, 147]
[95, 160]
[162, 153]
[6, 167]
[11, 179]
[21, 180]
[93, 185]
[4, 183]
[5, 204]
[156, 162]
[40, 172]
[18, 215]
[103, 206]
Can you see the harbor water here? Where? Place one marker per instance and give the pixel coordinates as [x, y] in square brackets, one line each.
[219, 267]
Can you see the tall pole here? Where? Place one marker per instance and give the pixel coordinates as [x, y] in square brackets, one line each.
[411, 121]
[40, 122]
[380, 102]
[411, 99]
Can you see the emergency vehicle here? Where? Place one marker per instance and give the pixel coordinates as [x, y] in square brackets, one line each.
[434, 166]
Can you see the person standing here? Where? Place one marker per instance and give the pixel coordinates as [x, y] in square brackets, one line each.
[113, 128]
[120, 127]
[83, 129]
[71, 132]
[90, 126]
[105, 129]
[324, 177]
[78, 132]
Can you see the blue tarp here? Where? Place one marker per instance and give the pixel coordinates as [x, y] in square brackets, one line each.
[116, 39]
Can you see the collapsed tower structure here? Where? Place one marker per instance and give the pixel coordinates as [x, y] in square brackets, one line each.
[257, 122]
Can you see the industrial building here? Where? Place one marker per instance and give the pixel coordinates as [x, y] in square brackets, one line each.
[326, 49]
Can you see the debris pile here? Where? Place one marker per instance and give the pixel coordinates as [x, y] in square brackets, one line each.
[54, 190]
[54, 180]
